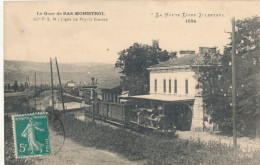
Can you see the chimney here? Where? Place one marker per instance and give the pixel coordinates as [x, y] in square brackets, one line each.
[183, 53]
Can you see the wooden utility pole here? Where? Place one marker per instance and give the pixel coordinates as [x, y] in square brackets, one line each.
[234, 84]
[40, 94]
[27, 87]
[52, 95]
[41, 81]
[61, 92]
[35, 89]
[93, 104]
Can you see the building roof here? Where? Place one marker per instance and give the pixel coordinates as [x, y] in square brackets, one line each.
[89, 87]
[110, 84]
[161, 97]
[75, 97]
[71, 106]
[71, 81]
[191, 59]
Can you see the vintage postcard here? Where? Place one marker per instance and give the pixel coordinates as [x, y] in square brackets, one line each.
[131, 82]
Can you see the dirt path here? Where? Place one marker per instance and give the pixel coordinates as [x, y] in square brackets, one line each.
[245, 143]
[73, 153]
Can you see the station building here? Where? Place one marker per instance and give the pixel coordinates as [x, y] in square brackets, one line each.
[173, 87]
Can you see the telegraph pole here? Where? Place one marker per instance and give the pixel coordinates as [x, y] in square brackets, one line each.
[41, 81]
[35, 89]
[61, 92]
[234, 84]
[27, 87]
[40, 93]
[52, 95]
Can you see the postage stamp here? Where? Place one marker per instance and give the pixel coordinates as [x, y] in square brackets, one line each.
[31, 135]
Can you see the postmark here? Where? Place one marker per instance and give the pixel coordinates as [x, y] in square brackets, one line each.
[31, 135]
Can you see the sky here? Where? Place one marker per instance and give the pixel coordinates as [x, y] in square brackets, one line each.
[127, 22]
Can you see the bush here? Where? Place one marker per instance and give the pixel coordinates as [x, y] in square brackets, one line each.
[153, 147]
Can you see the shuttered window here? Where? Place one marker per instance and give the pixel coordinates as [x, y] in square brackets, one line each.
[187, 86]
[175, 86]
[164, 85]
[170, 86]
[155, 85]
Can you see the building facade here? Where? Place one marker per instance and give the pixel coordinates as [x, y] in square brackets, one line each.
[178, 81]
[110, 90]
[71, 84]
[173, 87]
[175, 79]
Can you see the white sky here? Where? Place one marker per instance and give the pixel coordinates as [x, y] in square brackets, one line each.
[128, 22]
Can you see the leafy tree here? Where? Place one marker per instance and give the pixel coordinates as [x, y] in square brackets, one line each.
[22, 87]
[248, 57]
[15, 86]
[26, 85]
[135, 60]
[216, 82]
[210, 80]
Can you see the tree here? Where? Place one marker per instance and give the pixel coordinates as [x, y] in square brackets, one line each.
[134, 62]
[248, 54]
[22, 87]
[209, 77]
[15, 86]
[217, 83]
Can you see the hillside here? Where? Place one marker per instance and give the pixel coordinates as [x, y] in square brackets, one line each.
[19, 70]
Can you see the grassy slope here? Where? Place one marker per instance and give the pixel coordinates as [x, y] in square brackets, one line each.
[158, 150]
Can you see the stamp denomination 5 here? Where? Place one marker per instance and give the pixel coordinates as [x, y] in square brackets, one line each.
[31, 135]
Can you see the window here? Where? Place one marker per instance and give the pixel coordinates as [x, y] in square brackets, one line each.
[164, 85]
[175, 86]
[155, 85]
[170, 86]
[187, 86]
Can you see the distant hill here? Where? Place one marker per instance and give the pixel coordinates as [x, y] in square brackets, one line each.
[19, 70]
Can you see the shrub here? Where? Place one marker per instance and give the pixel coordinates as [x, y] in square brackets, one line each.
[153, 147]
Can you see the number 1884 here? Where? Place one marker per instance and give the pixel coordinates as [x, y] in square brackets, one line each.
[190, 21]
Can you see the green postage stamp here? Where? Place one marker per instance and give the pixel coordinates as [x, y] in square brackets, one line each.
[31, 135]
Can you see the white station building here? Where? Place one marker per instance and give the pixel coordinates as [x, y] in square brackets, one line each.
[173, 86]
